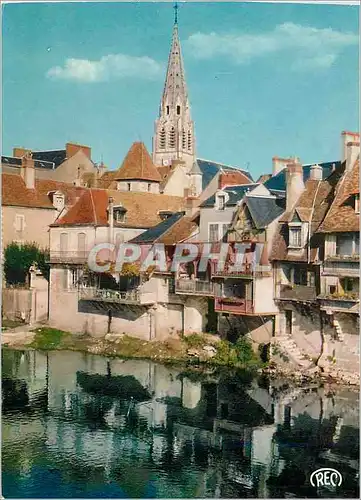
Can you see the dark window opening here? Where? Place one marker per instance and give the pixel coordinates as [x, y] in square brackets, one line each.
[178, 110]
[129, 186]
[288, 315]
[167, 110]
[149, 187]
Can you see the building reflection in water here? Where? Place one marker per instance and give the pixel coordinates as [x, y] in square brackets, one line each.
[154, 430]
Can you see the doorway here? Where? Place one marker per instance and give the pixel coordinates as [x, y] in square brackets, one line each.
[288, 315]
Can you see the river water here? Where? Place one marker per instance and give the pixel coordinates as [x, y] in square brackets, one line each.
[83, 426]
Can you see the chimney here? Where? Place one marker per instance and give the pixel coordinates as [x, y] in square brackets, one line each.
[20, 152]
[111, 218]
[294, 183]
[72, 149]
[279, 164]
[346, 138]
[316, 173]
[352, 152]
[28, 170]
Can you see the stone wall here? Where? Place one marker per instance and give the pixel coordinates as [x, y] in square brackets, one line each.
[16, 304]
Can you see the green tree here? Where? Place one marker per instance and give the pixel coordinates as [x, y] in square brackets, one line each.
[19, 258]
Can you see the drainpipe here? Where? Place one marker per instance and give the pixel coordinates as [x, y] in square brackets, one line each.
[182, 333]
[111, 219]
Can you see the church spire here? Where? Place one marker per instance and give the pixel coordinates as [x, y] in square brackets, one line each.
[174, 129]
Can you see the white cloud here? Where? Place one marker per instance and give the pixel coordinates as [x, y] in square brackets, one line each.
[113, 66]
[308, 47]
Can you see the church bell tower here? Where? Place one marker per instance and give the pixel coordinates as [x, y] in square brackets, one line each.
[174, 129]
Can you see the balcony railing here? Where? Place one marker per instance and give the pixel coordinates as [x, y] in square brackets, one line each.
[342, 266]
[103, 295]
[194, 287]
[68, 257]
[233, 305]
[244, 272]
[347, 302]
[302, 293]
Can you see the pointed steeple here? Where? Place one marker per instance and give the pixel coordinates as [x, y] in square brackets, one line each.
[174, 129]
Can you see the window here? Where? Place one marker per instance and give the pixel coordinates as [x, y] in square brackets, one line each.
[81, 242]
[189, 140]
[63, 242]
[167, 110]
[19, 223]
[149, 186]
[225, 228]
[357, 203]
[213, 232]
[184, 140]
[347, 284]
[129, 186]
[178, 110]
[162, 139]
[345, 244]
[221, 202]
[300, 276]
[295, 237]
[119, 215]
[74, 276]
[172, 138]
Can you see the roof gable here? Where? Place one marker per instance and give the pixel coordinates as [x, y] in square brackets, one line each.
[138, 165]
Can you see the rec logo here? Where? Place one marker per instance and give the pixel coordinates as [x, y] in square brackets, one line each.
[326, 477]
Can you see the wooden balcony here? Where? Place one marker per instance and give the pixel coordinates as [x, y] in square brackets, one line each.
[233, 305]
[346, 266]
[68, 257]
[246, 272]
[194, 287]
[301, 293]
[340, 303]
[135, 296]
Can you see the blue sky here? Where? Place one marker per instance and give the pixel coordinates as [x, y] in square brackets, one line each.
[263, 79]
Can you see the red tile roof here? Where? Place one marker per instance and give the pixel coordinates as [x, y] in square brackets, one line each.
[142, 208]
[15, 192]
[312, 206]
[179, 232]
[138, 165]
[342, 216]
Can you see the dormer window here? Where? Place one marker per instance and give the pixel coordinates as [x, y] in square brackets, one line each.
[165, 214]
[357, 203]
[221, 201]
[57, 199]
[295, 235]
[119, 213]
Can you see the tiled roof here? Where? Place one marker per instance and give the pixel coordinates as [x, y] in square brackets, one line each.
[264, 210]
[57, 156]
[142, 209]
[263, 178]
[278, 181]
[342, 216]
[169, 232]
[312, 206]
[15, 193]
[154, 233]
[236, 193]
[138, 165]
[210, 169]
[13, 161]
[107, 179]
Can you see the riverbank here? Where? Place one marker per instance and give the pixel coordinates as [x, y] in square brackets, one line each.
[197, 349]
[205, 349]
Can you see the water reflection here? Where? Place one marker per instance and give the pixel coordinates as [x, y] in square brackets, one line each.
[78, 425]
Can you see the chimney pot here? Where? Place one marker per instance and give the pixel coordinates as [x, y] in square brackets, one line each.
[294, 184]
[28, 170]
[316, 173]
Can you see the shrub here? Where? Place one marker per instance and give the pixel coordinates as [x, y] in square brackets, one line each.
[19, 258]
